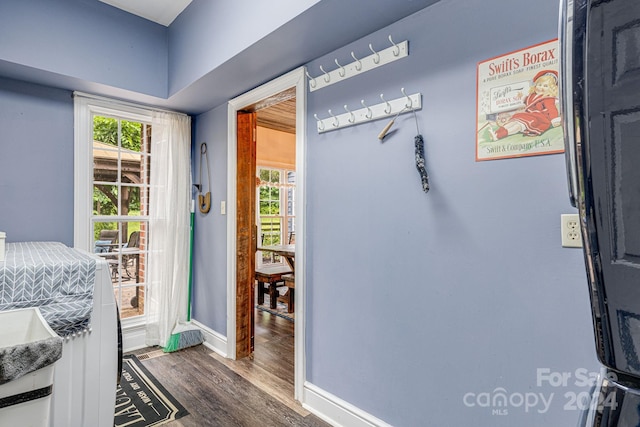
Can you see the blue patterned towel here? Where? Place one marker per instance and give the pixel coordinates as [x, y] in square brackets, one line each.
[49, 275]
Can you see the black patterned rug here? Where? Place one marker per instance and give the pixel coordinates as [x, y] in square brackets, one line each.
[280, 311]
[141, 401]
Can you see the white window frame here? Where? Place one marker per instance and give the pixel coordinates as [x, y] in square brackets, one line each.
[284, 215]
[85, 107]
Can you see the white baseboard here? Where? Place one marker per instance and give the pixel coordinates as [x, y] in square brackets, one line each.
[212, 339]
[133, 338]
[336, 411]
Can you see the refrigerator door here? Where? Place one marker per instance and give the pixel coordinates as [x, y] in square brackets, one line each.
[606, 94]
[612, 150]
[601, 94]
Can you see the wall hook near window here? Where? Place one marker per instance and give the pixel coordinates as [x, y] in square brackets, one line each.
[358, 66]
[395, 107]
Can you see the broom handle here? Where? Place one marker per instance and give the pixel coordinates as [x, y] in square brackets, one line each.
[193, 214]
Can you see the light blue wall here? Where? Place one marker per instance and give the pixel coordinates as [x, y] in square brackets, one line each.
[87, 40]
[210, 243]
[414, 300]
[36, 162]
[209, 33]
[417, 299]
[212, 52]
[220, 50]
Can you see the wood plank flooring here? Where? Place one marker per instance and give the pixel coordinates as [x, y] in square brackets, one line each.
[221, 392]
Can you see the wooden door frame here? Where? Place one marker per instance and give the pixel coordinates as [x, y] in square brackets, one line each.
[297, 80]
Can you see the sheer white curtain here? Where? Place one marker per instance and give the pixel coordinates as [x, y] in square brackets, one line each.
[169, 213]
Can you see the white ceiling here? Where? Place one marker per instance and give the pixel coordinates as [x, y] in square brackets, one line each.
[161, 11]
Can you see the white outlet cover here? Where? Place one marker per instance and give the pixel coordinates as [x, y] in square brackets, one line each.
[570, 230]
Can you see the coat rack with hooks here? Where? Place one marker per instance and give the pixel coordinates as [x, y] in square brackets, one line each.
[405, 104]
[359, 66]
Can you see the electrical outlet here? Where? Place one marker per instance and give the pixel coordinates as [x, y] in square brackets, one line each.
[570, 229]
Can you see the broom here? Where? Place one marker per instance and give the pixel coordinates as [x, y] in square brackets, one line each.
[184, 334]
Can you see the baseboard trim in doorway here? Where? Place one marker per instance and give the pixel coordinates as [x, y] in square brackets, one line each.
[212, 339]
[336, 411]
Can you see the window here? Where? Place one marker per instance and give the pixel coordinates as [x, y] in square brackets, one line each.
[121, 151]
[276, 207]
[113, 151]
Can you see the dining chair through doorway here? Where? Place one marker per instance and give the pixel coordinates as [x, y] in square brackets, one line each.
[269, 278]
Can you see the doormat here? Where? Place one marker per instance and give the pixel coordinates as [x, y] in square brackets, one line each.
[281, 309]
[141, 401]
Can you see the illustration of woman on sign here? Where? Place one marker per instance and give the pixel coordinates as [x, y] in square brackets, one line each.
[540, 111]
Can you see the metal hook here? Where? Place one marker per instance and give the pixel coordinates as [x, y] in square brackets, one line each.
[336, 122]
[313, 80]
[388, 105]
[396, 51]
[369, 112]
[377, 58]
[410, 104]
[359, 66]
[320, 122]
[352, 117]
[342, 71]
[327, 77]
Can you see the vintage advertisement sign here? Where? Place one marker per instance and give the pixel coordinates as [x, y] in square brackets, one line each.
[518, 112]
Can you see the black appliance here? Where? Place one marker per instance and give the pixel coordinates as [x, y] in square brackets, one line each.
[600, 72]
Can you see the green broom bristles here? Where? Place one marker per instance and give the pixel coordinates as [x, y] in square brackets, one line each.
[184, 339]
[173, 344]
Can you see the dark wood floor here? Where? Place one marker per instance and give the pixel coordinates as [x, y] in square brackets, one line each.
[222, 392]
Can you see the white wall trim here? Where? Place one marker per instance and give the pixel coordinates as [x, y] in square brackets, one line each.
[336, 411]
[295, 78]
[133, 337]
[212, 339]
[232, 170]
[82, 170]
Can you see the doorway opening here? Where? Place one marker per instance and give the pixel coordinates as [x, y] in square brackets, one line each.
[269, 104]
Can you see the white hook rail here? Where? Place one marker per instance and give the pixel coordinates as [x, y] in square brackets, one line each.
[359, 66]
[405, 104]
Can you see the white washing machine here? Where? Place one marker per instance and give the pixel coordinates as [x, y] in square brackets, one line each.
[85, 378]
